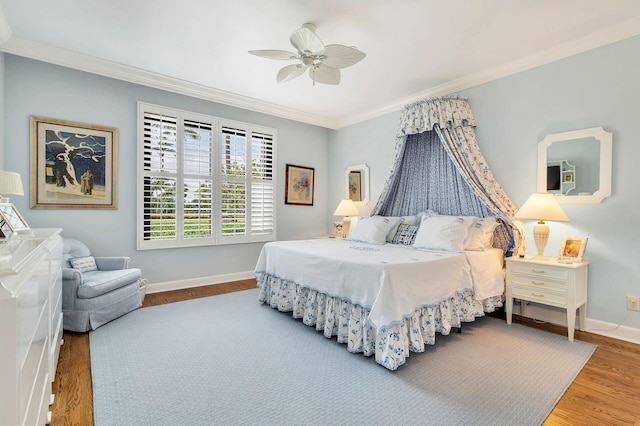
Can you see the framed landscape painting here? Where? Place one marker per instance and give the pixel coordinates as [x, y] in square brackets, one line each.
[299, 185]
[73, 165]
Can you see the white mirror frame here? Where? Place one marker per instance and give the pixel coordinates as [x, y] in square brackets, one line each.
[606, 141]
[364, 169]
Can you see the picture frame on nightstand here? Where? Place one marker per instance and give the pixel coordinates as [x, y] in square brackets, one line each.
[572, 249]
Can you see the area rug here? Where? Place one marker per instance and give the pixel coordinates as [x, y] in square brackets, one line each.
[228, 360]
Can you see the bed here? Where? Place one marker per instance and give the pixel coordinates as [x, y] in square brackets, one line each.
[382, 298]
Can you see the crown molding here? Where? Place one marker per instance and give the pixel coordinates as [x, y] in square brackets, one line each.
[79, 61]
[30, 49]
[629, 28]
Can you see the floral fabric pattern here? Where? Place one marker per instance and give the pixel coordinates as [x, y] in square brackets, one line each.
[348, 321]
[451, 118]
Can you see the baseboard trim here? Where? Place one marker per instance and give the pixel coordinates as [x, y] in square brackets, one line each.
[616, 331]
[559, 317]
[198, 282]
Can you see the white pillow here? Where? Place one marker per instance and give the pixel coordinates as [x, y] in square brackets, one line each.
[428, 213]
[446, 233]
[83, 264]
[372, 229]
[407, 220]
[480, 234]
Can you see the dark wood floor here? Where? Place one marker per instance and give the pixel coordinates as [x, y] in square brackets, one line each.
[606, 392]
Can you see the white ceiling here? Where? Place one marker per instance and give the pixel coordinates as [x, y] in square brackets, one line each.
[415, 48]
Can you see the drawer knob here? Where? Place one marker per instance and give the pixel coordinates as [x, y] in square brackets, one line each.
[538, 271]
[538, 294]
[537, 282]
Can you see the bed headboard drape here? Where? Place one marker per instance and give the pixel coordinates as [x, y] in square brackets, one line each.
[438, 165]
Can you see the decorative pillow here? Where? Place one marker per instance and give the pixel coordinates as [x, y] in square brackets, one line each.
[406, 234]
[480, 234]
[407, 220]
[445, 233]
[428, 213]
[84, 264]
[372, 229]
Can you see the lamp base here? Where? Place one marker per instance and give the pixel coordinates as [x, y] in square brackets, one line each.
[541, 236]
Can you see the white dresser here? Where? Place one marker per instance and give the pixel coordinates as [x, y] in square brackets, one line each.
[546, 281]
[30, 325]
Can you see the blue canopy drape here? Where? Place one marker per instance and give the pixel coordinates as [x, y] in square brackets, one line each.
[438, 165]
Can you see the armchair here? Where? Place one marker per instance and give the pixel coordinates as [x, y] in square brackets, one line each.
[95, 290]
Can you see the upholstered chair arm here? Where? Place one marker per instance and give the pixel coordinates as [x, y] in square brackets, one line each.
[71, 280]
[112, 263]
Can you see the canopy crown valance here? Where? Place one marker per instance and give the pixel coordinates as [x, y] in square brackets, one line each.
[446, 112]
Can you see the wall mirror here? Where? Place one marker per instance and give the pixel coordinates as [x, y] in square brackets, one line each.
[576, 165]
[357, 184]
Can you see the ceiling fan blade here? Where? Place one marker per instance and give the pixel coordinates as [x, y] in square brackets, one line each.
[325, 74]
[306, 41]
[339, 56]
[290, 72]
[274, 54]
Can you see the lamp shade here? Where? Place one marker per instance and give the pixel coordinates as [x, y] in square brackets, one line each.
[346, 208]
[10, 183]
[542, 206]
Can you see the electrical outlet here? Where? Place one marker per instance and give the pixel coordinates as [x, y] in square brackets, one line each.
[633, 303]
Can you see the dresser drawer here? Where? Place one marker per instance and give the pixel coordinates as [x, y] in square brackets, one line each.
[540, 283]
[539, 271]
[534, 294]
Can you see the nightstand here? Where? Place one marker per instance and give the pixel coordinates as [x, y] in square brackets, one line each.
[548, 282]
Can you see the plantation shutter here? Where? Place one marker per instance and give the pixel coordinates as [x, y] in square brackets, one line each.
[160, 176]
[233, 194]
[203, 180]
[262, 189]
[197, 159]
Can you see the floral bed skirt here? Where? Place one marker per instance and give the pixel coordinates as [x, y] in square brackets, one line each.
[348, 321]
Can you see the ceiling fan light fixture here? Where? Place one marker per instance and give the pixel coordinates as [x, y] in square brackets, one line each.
[324, 62]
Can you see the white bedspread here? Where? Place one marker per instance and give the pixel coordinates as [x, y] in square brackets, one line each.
[390, 281]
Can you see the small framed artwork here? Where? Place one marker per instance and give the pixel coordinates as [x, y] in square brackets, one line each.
[338, 230]
[73, 165]
[572, 249]
[355, 185]
[11, 218]
[299, 185]
[568, 177]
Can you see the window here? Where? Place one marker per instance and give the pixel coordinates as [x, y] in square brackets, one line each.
[203, 180]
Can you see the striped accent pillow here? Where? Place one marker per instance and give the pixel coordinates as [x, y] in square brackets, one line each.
[405, 234]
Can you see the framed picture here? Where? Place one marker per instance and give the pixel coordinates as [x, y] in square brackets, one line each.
[73, 165]
[299, 185]
[12, 219]
[572, 249]
[568, 177]
[338, 230]
[5, 230]
[355, 185]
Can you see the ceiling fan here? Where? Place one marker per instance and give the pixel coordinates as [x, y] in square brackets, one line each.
[323, 62]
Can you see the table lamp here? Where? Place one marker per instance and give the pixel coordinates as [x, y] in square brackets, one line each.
[541, 206]
[10, 184]
[346, 208]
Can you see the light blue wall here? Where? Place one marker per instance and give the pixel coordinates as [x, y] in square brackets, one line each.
[596, 88]
[36, 88]
[372, 143]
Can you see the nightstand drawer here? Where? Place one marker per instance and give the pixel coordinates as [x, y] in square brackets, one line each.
[534, 295]
[539, 271]
[541, 283]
